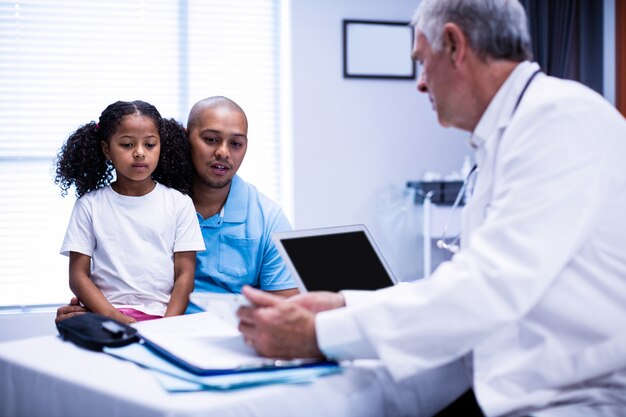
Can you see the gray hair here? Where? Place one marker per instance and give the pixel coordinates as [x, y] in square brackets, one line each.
[495, 29]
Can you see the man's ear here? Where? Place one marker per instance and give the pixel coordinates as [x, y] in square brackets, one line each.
[454, 43]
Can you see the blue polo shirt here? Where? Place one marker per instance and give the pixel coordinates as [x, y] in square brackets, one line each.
[239, 249]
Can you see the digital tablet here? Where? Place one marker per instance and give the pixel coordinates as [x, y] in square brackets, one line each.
[334, 259]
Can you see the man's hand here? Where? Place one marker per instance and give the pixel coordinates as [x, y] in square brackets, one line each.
[72, 309]
[278, 328]
[319, 301]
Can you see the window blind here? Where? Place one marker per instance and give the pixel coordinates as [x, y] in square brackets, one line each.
[235, 52]
[62, 62]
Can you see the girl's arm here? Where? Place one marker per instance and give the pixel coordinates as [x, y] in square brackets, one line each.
[184, 268]
[87, 292]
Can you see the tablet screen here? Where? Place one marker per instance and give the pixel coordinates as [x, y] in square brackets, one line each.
[337, 261]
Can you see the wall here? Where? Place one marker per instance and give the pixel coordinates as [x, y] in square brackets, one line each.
[352, 139]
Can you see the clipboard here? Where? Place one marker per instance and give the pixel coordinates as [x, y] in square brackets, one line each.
[175, 379]
[204, 345]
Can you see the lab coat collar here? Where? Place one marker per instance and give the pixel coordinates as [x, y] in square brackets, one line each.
[499, 111]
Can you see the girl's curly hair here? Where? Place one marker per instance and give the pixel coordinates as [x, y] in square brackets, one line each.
[81, 161]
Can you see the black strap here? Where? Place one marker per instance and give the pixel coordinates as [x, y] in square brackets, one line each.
[517, 102]
[519, 98]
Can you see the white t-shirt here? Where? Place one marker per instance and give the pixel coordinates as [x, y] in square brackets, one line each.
[131, 242]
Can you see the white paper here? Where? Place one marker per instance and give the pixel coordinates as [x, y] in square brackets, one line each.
[203, 340]
[223, 306]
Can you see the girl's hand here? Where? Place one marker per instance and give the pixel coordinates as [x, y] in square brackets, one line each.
[72, 309]
[122, 318]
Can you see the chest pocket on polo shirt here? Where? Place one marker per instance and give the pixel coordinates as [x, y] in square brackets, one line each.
[237, 255]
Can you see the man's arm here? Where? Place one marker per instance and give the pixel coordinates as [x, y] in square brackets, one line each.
[318, 301]
[274, 275]
[286, 293]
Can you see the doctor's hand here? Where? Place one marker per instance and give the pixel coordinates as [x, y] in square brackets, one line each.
[278, 328]
[72, 309]
[319, 300]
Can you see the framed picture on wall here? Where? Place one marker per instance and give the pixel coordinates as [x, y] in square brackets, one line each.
[377, 49]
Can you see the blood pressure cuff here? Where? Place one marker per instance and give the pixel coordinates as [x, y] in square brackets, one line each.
[94, 331]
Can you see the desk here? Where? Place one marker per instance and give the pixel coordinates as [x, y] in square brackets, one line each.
[46, 376]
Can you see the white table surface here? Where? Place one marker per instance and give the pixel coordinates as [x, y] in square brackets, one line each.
[47, 376]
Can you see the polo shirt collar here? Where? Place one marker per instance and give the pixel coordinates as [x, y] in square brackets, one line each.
[236, 206]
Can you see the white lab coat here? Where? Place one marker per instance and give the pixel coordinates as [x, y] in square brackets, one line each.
[536, 298]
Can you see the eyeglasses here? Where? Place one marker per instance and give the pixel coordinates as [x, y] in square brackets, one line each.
[445, 243]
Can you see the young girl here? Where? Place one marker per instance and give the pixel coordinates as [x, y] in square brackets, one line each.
[131, 240]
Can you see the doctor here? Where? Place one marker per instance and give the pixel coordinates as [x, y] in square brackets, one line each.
[535, 301]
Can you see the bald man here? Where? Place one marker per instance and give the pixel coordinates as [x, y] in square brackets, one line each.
[235, 218]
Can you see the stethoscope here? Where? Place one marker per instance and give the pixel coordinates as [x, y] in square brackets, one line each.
[453, 245]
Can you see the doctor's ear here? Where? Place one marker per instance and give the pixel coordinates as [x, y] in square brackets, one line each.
[454, 42]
